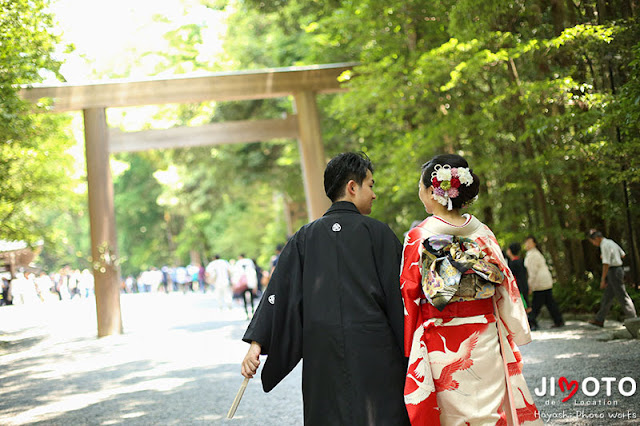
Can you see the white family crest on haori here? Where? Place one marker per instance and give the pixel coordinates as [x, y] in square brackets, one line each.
[272, 299]
[336, 227]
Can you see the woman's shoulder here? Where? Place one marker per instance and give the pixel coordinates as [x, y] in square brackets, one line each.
[417, 234]
[533, 255]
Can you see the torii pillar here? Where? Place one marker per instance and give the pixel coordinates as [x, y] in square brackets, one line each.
[106, 271]
[311, 153]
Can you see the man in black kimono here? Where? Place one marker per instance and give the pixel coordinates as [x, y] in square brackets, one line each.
[334, 301]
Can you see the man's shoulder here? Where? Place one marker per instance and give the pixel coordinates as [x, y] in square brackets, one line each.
[340, 216]
[530, 256]
[378, 227]
[339, 221]
[517, 262]
[533, 253]
[375, 222]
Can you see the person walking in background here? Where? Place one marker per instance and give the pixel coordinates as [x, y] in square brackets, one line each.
[516, 264]
[540, 284]
[274, 259]
[86, 284]
[247, 275]
[612, 280]
[334, 301]
[260, 273]
[201, 281]
[218, 274]
[193, 272]
[183, 279]
[464, 316]
[165, 279]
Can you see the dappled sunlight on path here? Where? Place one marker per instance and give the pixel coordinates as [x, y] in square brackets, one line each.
[178, 363]
[579, 352]
[169, 367]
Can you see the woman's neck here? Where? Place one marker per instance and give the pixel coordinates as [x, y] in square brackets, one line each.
[452, 216]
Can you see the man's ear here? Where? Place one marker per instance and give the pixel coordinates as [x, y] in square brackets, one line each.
[351, 187]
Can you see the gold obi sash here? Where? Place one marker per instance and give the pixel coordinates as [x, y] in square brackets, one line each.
[454, 270]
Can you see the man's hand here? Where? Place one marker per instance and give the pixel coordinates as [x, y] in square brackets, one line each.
[251, 360]
[603, 284]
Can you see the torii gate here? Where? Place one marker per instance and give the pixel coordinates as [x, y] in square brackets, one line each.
[303, 83]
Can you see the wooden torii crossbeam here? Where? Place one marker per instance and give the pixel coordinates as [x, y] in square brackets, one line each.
[303, 83]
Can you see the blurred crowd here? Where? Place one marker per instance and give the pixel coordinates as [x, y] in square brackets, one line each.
[239, 281]
[65, 284]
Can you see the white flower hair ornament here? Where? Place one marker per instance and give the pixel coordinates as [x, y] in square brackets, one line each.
[446, 180]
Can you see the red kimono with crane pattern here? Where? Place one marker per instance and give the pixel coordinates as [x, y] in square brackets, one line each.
[464, 365]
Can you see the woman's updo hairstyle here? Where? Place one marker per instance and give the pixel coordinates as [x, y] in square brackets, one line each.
[465, 193]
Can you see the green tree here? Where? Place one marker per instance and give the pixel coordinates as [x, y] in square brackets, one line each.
[541, 97]
[143, 234]
[30, 145]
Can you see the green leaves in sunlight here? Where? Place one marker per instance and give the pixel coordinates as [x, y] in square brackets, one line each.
[542, 100]
[34, 163]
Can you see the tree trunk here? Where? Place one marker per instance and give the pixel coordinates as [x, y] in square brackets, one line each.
[539, 194]
[558, 13]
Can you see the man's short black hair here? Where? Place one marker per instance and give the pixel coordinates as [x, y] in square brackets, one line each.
[341, 169]
[515, 248]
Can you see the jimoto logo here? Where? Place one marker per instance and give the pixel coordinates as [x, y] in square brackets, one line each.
[590, 386]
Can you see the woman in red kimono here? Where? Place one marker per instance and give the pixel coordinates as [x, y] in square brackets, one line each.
[463, 313]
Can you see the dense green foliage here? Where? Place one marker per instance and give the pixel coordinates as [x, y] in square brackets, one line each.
[29, 144]
[541, 97]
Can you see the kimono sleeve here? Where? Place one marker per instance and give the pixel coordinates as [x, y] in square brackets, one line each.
[410, 285]
[277, 323]
[507, 296]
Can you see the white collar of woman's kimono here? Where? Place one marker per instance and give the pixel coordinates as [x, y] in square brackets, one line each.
[342, 207]
[438, 226]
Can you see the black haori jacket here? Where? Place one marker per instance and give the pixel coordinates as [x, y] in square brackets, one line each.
[334, 301]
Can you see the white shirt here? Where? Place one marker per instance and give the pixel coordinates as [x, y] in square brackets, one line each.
[219, 269]
[539, 276]
[611, 252]
[246, 266]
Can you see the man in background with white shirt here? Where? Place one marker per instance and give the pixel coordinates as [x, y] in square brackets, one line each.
[217, 274]
[612, 278]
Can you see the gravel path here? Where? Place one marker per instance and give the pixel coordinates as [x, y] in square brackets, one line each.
[586, 354]
[178, 364]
